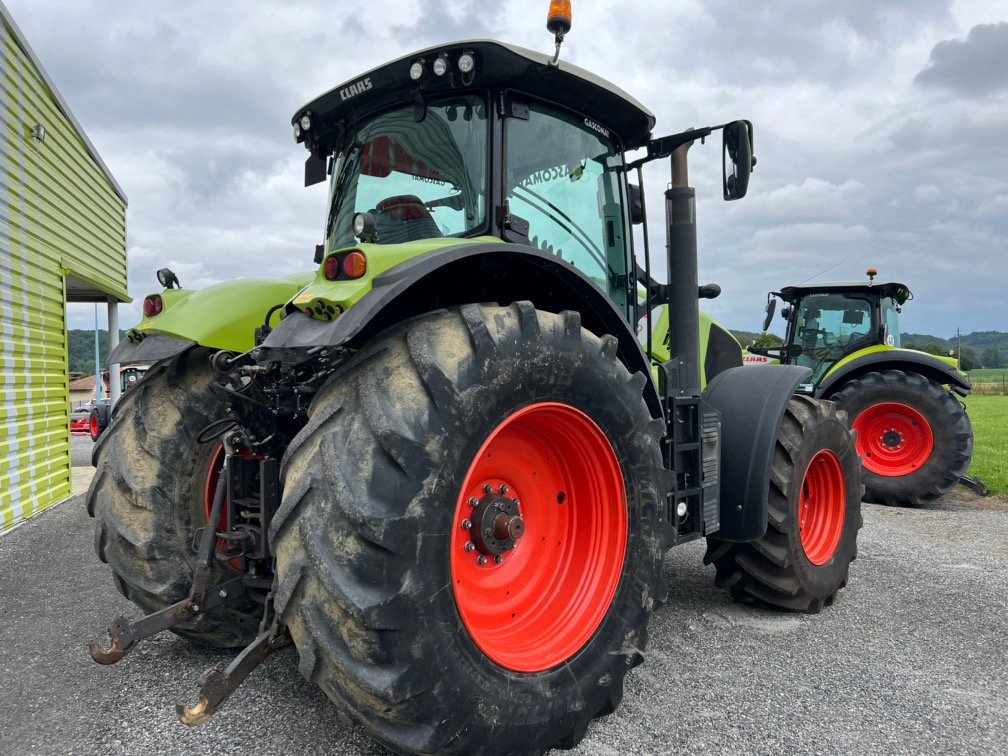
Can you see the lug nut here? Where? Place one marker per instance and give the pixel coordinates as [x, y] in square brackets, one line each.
[504, 489]
[482, 560]
[223, 594]
[498, 559]
[466, 524]
[488, 489]
[473, 501]
[470, 546]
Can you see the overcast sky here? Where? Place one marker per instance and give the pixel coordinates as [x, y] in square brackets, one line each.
[880, 129]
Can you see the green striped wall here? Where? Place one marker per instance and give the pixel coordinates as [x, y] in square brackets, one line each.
[59, 215]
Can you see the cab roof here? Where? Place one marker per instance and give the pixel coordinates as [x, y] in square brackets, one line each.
[898, 291]
[498, 65]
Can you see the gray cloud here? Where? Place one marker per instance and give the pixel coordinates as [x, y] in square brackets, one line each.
[863, 160]
[972, 67]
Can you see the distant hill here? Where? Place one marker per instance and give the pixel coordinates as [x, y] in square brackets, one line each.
[81, 350]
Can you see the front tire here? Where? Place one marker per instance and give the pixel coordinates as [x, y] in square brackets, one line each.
[407, 452]
[149, 492]
[814, 514]
[913, 435]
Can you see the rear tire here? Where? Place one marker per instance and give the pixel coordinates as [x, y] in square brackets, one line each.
[814, 514]
[371, 553]
[148, 496]
[914, 436]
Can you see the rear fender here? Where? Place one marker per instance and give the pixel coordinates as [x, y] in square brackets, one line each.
[223, 316]
[875, 359]
[463, 274]
[752, 404]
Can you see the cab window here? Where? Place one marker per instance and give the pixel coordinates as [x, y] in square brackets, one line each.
[563, 176]
[829, 326]
[890, 316]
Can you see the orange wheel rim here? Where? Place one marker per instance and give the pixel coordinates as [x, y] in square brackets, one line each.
[539, 537]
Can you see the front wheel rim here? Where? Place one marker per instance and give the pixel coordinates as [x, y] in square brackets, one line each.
[531, 597]
[822, 505]
[893, 439]
[94, 426]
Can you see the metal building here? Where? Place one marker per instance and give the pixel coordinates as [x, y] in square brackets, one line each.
[62, 238]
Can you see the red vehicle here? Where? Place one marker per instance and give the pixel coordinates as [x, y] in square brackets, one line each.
[80, 419]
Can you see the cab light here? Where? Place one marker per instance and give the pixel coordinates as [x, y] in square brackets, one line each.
[355, 264]
[416, 71]
[152, 305]
[440, 66]
[466, 63]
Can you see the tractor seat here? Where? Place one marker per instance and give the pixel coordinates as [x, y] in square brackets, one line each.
[404, 218]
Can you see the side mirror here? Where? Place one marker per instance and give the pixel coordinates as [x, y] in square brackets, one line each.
[771, 307]
[737, 161]
[635, 204]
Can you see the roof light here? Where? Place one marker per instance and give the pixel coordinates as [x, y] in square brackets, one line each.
[297, 130]
[440, 65]
[416, 71]
[305, 122]
[466, 63]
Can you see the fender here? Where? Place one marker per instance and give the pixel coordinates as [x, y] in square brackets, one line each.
[873, 359]
[222, 316]
[462, 274]
[752, 404]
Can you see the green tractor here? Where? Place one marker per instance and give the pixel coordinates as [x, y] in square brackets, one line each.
[439, 464]
[912, 432]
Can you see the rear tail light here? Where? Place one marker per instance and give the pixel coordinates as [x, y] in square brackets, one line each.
[350, 265]
[355, 264]
[152, 305]
[332, 268]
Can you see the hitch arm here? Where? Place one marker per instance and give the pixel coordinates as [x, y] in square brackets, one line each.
[125, 634]
[215, 687]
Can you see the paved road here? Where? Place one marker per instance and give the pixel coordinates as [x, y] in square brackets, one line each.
[80, 450]
[911, 659]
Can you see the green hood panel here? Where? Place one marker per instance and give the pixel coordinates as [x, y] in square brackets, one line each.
[222, 316]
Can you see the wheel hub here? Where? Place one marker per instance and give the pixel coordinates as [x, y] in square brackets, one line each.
[495, 524]
[892, 438]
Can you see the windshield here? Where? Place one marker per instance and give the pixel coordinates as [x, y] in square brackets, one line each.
[827, 327]
[421, 180]
[563, 177]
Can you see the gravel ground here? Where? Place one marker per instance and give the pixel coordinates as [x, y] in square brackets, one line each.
[911, 659]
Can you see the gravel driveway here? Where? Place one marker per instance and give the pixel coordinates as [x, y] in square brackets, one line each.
[911, 659]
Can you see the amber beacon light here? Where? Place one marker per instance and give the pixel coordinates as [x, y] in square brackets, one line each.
[559, 18]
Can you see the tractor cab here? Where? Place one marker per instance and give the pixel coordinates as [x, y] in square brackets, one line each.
[480, 139]
[828, 322]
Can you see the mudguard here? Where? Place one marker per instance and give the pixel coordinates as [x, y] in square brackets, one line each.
[752, 404]
[222, 316]
[875, 359]
[456, 275]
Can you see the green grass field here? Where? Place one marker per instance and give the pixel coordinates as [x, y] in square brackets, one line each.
[989, 415]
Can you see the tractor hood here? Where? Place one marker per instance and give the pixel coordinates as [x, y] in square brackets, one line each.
[222, 316]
